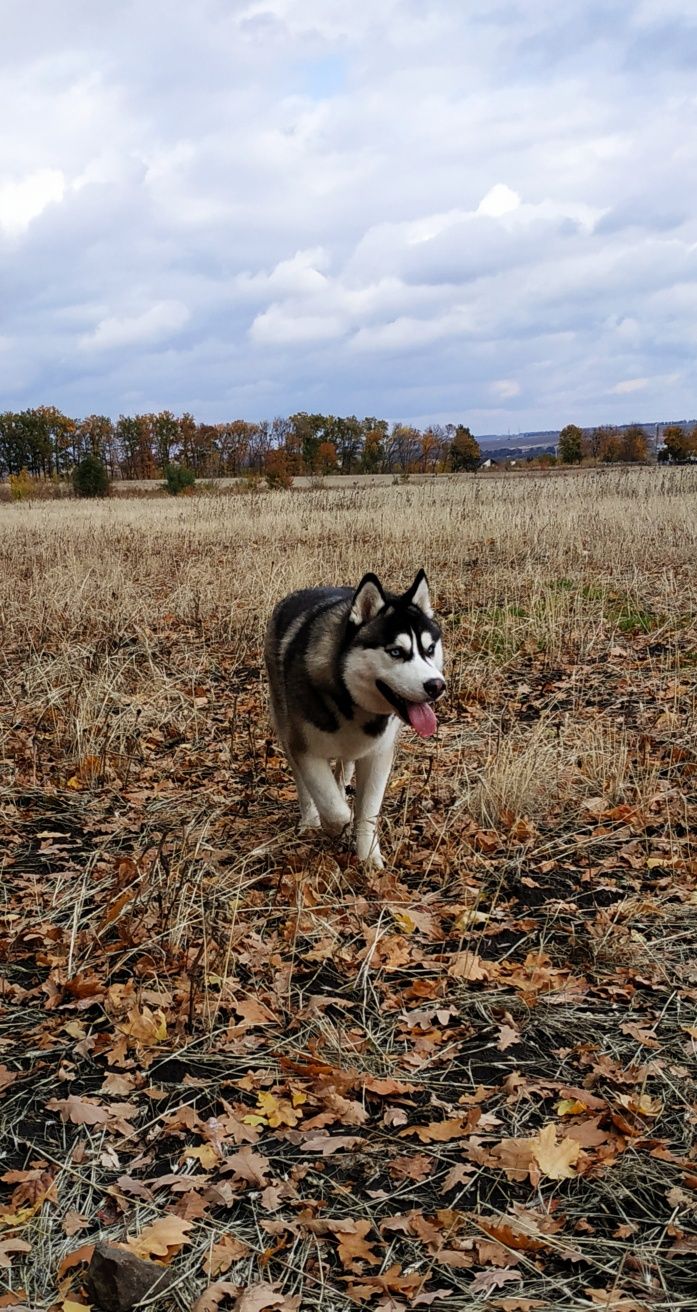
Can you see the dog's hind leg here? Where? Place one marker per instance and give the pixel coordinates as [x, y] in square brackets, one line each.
[344, 772]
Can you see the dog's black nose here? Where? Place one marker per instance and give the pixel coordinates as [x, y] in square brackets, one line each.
[435, 688]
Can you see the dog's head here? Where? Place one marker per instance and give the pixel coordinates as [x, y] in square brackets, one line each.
[393, 654]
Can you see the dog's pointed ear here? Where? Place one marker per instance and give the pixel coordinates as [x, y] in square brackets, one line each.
[368, 600]
[419, 595]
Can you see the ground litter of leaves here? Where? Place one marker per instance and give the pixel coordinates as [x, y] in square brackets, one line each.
[466, 1081]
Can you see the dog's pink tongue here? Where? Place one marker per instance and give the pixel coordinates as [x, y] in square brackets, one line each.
[422, 718]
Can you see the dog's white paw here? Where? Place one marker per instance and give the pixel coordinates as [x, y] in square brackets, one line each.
[368, 851]
[310, 821]
[335, 822]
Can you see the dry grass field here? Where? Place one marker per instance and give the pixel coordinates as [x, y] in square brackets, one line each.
[465, 1082]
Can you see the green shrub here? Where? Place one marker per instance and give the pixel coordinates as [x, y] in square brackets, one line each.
[179, 478]
[90, 478]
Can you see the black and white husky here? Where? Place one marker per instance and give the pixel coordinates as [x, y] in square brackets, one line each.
[346, 669]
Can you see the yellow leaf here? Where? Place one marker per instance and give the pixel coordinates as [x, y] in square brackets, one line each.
[74, 783]
[405, 922]
[278, 1111]
[467, 918]
[205, 1153]
[570, 1107]
[555, 1160]
[70, 1306]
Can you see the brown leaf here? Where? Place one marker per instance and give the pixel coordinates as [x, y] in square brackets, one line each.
[467, 965]
[588, 1133]
[353, 1246]
[327, 1144]
[9, 1246]
[508, 1035]
[514, 1156]
[83, 1254]
[80, 1111]
[7, 1077]
[458, 1174]
[73, 1222]
[485, 1281]
[259, 1297]
[117, 1085]
[248, 1165]
[211, 1298]
[167, 1233]
[385, 1087]
[222, 1254]
[440, 1131]
[510, 1238]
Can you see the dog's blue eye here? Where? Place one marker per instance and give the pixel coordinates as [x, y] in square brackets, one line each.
[395, 652]
[430, 650]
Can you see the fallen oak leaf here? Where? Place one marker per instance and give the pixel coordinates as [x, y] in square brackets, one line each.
[83, 1254]
[211, 1298]
[222, 1254]
[167, 1233]
[493, 1278]
[79, 1111]
[247, 1165]
[9, 1246]
[327, 1144]
[468, 965]
[353, 1246]
[259, 1297]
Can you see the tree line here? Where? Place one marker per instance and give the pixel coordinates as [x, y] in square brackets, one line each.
[628, 445]
[49, 444]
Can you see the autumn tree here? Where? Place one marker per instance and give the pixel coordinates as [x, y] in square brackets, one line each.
[278, 469]
[571, 445]
[679, 442]
[326, 458]
[465, 452]
[373, 454]
[635, 445]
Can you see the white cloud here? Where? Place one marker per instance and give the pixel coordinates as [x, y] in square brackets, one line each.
[285, 327]
[156, 324]
[500, 200]
[629, 385]
[25, 199]
[505, 388]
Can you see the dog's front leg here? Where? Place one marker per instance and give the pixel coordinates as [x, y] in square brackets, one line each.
[372, 773]
[328, 797]
[309, 818]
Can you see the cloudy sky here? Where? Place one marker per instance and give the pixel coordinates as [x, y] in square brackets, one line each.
[422, 209]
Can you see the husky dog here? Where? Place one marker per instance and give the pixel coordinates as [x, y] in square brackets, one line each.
[347, 667]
